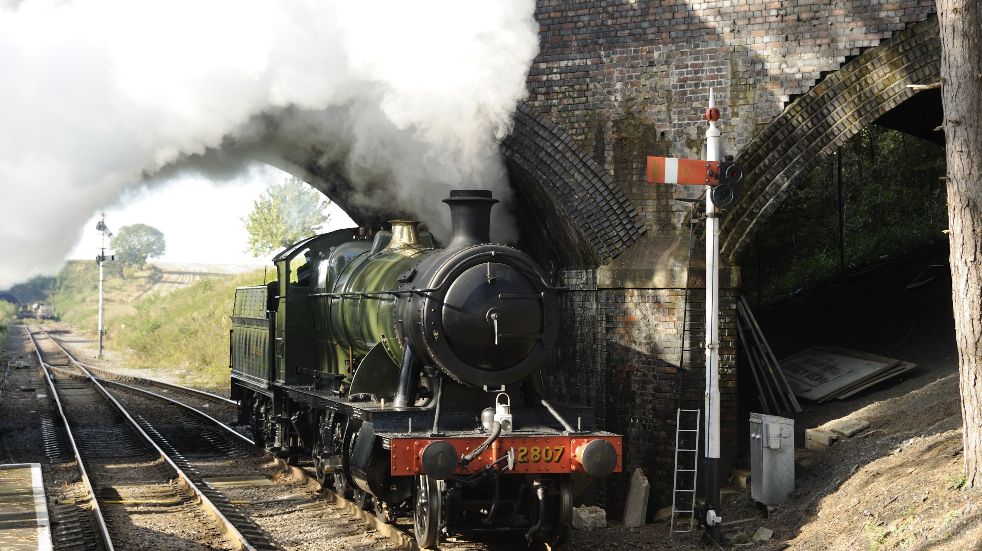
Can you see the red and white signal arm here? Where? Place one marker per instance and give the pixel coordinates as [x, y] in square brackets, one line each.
[726, 177]
[691, 172]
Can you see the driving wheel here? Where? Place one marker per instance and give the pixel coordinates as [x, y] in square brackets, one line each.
[426, 513]
[319, 463]
[341, 485]
[564, 520]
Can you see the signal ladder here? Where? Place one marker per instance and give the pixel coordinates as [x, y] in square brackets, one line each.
[686, 468]
[688, 392]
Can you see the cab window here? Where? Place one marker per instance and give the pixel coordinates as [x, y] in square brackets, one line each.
[300, 268]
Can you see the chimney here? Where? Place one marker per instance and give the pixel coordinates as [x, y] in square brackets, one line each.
[470, 217]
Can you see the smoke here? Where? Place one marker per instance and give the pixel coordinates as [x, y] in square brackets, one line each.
[388, 103]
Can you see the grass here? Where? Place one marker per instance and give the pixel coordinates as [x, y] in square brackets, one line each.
[187, 329]
[957, 482]
[7, 318]
[74, 290]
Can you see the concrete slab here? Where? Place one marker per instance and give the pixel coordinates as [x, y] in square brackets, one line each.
[762, 534]
[819, 440]
[847, 427]
[664, 514]
[589, 518]
[24, 522]
[740, 478]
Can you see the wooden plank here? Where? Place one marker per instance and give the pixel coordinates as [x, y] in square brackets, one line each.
[769, 354]
[828, 372]
[904, 366]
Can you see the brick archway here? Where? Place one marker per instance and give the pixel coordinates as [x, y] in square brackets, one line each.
[570, 211]
[811, 128]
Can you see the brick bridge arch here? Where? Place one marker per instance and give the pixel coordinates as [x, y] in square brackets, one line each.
[570, 212]
[812, 127]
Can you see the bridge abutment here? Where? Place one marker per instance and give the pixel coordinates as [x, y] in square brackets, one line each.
[619, 81]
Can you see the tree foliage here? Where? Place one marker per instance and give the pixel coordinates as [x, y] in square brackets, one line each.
[284, 214]
[893, 202]
[136, 243]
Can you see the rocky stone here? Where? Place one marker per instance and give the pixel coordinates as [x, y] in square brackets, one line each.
[848, 427]
[663, 514]
[589, 518]
[763, 534]
[741, 479]
[636, 505]
[739, 538]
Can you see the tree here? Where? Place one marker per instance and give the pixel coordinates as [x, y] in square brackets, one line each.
[135, 244]
[283, 215]
[961, 93]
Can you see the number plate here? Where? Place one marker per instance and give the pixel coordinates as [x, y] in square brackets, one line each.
[544, 454]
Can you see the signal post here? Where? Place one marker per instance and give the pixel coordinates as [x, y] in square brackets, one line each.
[723, 181]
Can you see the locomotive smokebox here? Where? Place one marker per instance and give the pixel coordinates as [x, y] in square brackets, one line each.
[470, 217]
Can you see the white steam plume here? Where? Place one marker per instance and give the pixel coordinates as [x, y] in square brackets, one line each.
[98, 94]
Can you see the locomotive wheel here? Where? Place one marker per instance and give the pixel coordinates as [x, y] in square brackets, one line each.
[426, 514]
[360, 498]
[564, 526]
[341, 484]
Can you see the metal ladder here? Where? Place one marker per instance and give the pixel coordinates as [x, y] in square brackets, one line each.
[686, 495]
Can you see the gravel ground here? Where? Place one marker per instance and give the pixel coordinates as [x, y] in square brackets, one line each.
[21, 415]
[313, 524]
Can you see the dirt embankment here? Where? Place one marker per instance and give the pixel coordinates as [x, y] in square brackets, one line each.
[898, 484]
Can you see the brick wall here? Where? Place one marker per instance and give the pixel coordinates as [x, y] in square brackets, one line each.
[627, 78]
[620, 353]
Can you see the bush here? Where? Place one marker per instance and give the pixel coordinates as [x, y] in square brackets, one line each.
[8, 315]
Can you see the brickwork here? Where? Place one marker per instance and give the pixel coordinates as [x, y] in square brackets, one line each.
[588, 220]
[620, 353]
[811, 129]
[626, 78]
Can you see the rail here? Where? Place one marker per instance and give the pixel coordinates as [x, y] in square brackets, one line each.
[210, 507]
[402, 538]
[147, 380]
[103, 530]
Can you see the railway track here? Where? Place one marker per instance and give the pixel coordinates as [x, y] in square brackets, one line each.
[282, 508]
[137, 497]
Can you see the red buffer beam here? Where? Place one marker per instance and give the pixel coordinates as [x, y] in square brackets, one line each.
[690, 172]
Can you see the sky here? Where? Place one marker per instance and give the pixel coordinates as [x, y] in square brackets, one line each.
[205, 230]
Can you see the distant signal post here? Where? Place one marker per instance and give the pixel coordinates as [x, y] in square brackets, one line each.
[101, 258]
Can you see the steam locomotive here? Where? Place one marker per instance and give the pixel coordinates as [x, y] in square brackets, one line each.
[409, 375]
